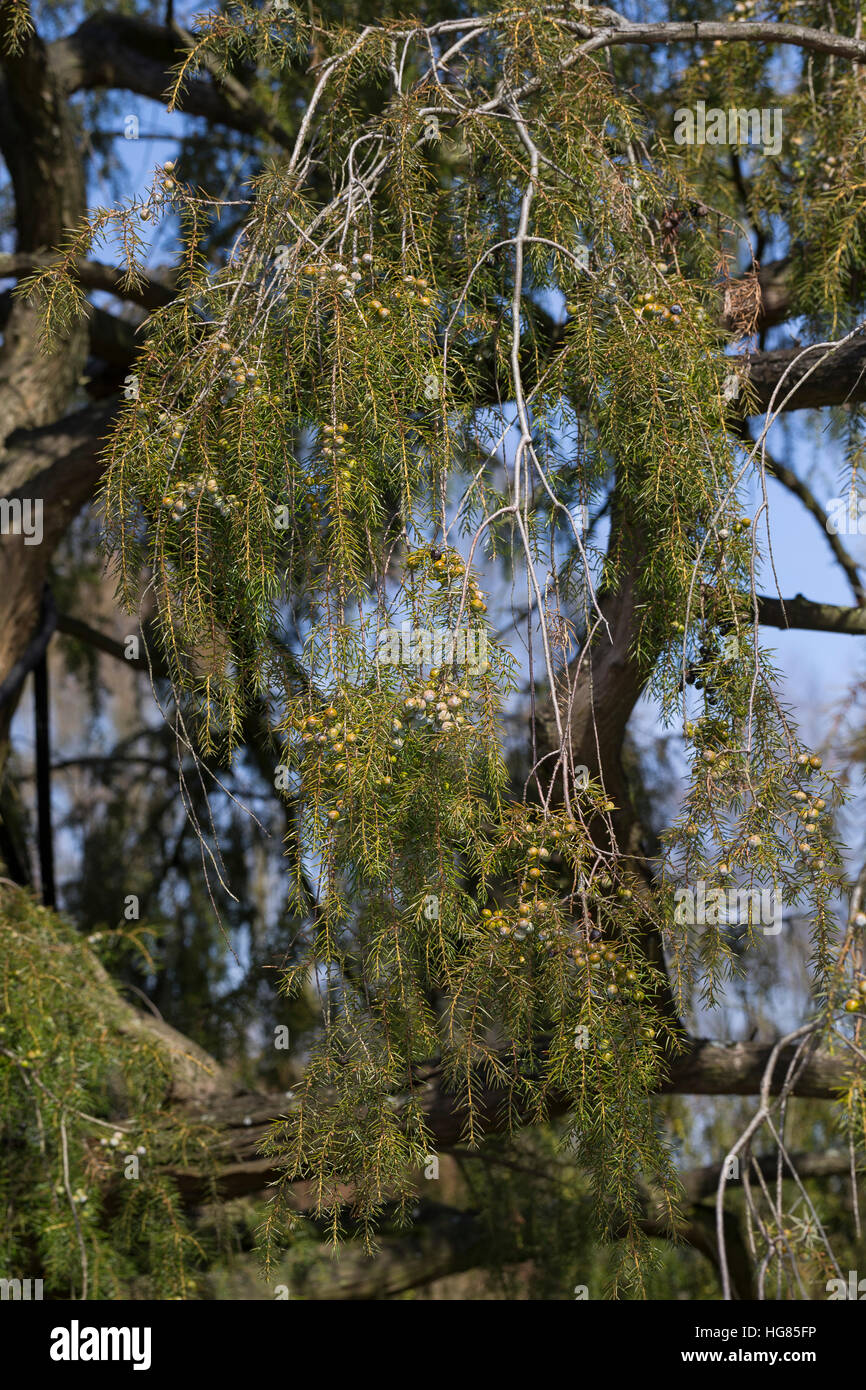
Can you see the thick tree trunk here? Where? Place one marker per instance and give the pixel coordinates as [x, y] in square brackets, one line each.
[38, 143]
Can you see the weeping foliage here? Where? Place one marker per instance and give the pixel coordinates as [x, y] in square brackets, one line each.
[459, 313]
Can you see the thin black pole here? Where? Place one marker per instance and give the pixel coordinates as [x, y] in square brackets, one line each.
[43, 781]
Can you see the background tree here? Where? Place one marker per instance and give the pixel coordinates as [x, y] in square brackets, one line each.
[455, 337]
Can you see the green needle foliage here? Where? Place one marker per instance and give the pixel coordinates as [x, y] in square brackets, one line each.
[474, 298]
[90, 1208]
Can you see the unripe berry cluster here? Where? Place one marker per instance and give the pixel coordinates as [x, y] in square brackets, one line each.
[445, 567]
[443, 709]
[181, 495]
[417, 289]
[649, 306]
[241, 378]
[335, 449]
[335, 275]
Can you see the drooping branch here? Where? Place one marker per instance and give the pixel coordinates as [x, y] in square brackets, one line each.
[235, 93]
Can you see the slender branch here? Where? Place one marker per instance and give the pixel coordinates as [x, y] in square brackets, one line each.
[83, 632]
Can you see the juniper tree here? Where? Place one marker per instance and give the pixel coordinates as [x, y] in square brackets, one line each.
[457, 421]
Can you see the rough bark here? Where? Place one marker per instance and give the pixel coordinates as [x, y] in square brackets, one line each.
[57, 465]
[39, 144]
[800, 612]
[820, 377]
